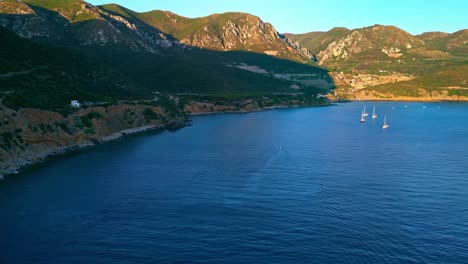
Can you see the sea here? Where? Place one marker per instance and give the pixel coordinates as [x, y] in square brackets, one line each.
[300, 185]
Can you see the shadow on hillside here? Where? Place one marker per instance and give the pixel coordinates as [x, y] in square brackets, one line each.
[176, 69]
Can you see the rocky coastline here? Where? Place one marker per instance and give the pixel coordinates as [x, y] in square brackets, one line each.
[31, 136]
[39, 135]
[412, 99]
[42, 151]
[51, 152]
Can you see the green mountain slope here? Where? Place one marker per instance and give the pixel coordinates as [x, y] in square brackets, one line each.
[318, 41]
[375, 43]
[385, 57]
[346, 49]
[40, 76]
[455, 43]
[48, 77]
[441, 84]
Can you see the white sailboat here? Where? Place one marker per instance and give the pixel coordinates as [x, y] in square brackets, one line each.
[385, 125]
[374, 115]
[364, 113]
[363, 119]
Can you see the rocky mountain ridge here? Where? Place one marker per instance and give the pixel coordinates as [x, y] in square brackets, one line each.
[378, 42]
[78, 22]
[227, 31]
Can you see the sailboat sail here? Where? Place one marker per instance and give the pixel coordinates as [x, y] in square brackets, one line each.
[363, 119]
[364, 113]
[385, 125]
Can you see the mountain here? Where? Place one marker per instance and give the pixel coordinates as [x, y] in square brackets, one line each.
[455, 43]
[343, 47]
[376, 42]
[318, 40]
[145, 59]
[78, 22]
[427, 36]
[230, 54]
[75, 22]
[386, 56]
[228, 31]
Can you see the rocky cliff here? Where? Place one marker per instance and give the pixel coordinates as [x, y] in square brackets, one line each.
[75, 22]
[317, 41]
[28, 136]
[377, 41]
[228, 31]
[380, 43]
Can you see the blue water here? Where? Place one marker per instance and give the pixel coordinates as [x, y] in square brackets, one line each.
[308, 185]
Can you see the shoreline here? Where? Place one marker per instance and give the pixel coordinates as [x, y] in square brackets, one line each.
[59, 151]
[259, 109]
[410, 100]
[23, 165]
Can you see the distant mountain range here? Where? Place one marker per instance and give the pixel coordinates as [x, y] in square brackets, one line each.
[230, 54]
[380, 43]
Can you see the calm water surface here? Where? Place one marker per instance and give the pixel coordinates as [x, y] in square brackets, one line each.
[309, 185]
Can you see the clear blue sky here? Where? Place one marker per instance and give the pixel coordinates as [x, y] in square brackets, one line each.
[298, 16]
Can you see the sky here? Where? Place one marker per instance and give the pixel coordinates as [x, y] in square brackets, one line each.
[300, 16]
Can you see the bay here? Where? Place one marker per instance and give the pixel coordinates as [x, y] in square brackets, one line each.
[304, 185]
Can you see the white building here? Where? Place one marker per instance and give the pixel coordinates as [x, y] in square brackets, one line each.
[75, 103]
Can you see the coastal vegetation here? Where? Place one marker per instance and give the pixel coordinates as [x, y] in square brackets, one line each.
[449, 80]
